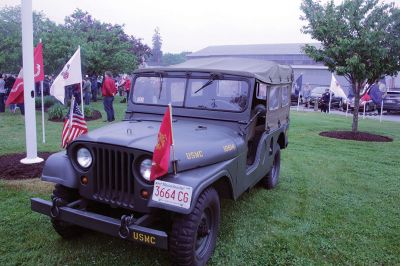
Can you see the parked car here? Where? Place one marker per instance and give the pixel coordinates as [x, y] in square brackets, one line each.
[316, 94]
[294, 99]
[230, 123]
[391, 102]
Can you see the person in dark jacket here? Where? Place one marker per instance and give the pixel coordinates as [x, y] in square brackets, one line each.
[94, 85]
[325, 101]
[2, 94]
[108, 91]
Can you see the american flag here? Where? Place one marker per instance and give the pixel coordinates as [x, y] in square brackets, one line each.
[74, 125]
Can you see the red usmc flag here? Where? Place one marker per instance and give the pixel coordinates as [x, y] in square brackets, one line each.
[162, 150]
[17, 91]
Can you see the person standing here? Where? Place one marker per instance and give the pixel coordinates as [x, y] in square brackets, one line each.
[127, 86]
[108, 91]
[325, 101]
[93, 82]
[87, 88]
[2, 94]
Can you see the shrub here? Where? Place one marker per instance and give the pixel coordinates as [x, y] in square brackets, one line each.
[48, 101]
[88, 110]
[57, 111]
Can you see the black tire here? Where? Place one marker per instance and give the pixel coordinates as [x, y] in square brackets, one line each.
[271, 180]
[64, 229]
[193, 236]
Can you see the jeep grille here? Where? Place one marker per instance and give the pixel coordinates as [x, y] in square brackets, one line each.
[113, 177]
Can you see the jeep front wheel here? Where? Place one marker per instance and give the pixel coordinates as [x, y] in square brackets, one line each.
[193, 236]
[66, 195]
[272, 178]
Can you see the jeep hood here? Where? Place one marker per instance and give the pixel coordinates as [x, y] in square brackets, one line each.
[196, 144]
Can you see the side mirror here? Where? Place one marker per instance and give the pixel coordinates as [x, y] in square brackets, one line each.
[260, 109]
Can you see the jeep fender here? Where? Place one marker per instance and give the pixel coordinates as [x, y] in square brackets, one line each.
[199, 179]
[58, 169]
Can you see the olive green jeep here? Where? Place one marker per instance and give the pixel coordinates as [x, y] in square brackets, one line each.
[230, 122]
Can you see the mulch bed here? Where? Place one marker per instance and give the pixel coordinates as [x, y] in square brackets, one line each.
[12, 168]
[95, 115]
[358, 136]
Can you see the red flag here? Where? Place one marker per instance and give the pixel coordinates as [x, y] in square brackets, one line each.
[365, 98]
[38, 63]
[159, 167]
[17, 91]
[74, 125]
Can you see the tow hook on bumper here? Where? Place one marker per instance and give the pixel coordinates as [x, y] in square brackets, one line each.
[127, 227]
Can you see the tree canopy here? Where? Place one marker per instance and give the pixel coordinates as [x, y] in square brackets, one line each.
[156, 52]
[104, 46]
[360, 39]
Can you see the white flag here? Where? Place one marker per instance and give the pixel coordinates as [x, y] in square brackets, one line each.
[336, 88]
[71, 74]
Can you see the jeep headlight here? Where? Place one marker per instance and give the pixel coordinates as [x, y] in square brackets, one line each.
[145, 169]
[84, 157]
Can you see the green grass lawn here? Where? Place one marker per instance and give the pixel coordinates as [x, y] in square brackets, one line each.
[337, 203]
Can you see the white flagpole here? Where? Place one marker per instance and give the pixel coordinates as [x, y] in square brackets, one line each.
[81, 85]
[43, 130]
[29, 84]
[298, 102]
[347, 107]
[71, 111]
[365, 103]
[380, 117]
[330, 99]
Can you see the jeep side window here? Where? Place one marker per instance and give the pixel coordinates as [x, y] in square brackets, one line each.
[262, 91]
[285, 96]
[273, 101]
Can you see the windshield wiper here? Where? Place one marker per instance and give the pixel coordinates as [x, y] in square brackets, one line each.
[209, 82]
[161, 83]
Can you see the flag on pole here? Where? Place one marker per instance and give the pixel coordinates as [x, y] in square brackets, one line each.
[74, 125]
[375, 94]
[38, 72]
[336, 88]
[298, 84]
[71, 74]
[161, 155]
[17, 91]
[365, 98]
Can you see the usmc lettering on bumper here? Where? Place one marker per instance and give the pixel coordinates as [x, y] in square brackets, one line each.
[144, 238]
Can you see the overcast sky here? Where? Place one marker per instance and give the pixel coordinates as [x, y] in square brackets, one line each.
[190, 25]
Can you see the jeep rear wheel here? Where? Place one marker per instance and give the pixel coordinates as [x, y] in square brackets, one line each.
[67, 195]
[193, 236]
[272, 178]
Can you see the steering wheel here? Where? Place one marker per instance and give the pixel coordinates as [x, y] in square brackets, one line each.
[221, 104]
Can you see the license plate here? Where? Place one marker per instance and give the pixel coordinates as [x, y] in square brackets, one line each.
[172, 194]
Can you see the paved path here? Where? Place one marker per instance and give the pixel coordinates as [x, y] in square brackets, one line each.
[394, 117]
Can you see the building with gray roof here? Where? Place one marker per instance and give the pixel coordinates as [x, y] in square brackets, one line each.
[314, 74]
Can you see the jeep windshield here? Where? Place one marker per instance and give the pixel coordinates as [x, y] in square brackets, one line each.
[220, 94]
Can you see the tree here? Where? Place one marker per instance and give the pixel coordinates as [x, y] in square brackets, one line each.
[10, 32]
[173, 59]
[360, 39]
[156, 50]
[104, 46]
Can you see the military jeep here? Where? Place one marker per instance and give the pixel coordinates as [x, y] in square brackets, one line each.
[230, 122]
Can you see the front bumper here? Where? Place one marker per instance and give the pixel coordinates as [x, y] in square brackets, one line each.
[134, 230]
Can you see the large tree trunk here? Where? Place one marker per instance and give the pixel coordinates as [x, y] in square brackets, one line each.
[357, 89]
